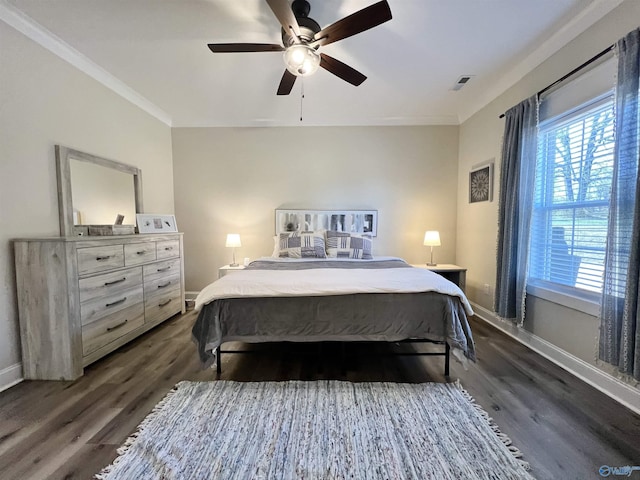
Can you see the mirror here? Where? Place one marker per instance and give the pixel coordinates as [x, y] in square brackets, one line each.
[94, 190]
[100, 194]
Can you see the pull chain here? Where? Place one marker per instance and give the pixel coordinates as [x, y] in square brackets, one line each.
[301, 95]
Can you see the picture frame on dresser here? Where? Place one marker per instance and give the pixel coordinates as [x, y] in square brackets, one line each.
[154, 223]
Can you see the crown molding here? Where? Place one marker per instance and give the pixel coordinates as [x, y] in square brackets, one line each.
[36, 32]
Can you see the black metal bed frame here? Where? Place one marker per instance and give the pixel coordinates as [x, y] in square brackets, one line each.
[445, 354]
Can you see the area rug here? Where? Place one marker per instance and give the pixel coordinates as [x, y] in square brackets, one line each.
[317, 430]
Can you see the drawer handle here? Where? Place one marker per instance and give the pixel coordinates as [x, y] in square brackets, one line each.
[105, 257]
[164, 269]
[165, 303]
[165, 285]
[111, 329]
[117, 302]
[141, 252]
[168, 248]
[106, 284]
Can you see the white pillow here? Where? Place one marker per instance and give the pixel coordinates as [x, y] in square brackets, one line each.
[276, 247]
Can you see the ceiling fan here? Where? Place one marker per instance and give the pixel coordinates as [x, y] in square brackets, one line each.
[302, 36]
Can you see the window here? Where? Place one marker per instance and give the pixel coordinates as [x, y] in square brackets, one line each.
[571, 200]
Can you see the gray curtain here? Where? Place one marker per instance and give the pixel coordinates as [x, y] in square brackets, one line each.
[517, 178]
[619, 333]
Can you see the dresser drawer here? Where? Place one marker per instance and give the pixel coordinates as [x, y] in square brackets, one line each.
[99, 259]
[167, 249]
[163, 269]
[137, 253]
[157, 286]
[160, 307]
[108, 283]
[104, 306]
[104, 331]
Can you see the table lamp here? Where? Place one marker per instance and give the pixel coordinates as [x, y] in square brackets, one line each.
[432, 239]
[233, 241]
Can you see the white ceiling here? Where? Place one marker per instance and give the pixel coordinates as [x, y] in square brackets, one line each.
[155, 53]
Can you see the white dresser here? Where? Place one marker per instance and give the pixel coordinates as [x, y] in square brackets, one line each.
[80, 298]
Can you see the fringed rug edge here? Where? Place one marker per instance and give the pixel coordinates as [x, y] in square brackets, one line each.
[103, 474]
[504, 438]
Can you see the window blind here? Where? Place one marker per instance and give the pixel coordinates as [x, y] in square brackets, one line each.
[571, 198]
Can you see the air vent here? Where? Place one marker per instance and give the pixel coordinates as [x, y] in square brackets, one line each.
[461, 82]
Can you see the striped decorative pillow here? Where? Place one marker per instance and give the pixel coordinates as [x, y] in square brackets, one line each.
[302, 245]
[349, 245]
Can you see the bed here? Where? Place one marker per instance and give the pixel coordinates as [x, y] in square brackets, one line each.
[322, 283]
[332, 299]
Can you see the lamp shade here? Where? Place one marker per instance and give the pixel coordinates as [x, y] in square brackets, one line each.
[432, 238]
[233, 240]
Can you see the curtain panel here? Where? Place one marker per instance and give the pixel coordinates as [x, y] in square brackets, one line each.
[619, 342]
[517, 180]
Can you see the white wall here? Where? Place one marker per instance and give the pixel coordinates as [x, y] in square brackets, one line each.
[232, 180]
[45, 101]
[480, 139]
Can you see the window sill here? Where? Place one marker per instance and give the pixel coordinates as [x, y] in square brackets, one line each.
[564, 299]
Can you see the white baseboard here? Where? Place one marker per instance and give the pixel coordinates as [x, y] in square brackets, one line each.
[607, 384]
[10, 376]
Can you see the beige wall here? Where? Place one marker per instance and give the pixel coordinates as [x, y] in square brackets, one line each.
[480, 139]
[232, 180]
[45, 101]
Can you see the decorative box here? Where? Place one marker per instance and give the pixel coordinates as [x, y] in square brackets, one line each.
[112, 230]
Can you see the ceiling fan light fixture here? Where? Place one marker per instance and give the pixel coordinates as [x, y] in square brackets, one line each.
[301, 60]
[302, 36]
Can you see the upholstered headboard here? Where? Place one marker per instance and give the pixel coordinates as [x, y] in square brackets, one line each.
[353, 221]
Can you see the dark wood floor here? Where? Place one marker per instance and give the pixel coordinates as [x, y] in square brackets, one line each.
[565, 428]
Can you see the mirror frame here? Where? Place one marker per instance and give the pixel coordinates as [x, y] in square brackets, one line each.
[65, 197]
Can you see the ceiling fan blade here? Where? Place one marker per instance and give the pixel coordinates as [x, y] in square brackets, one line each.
[362, 20]
[286, 84]
[244, 47]
[342, 70]
[282, 10]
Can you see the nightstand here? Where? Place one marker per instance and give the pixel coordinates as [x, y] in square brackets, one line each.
[228, 269]
[453, 273]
